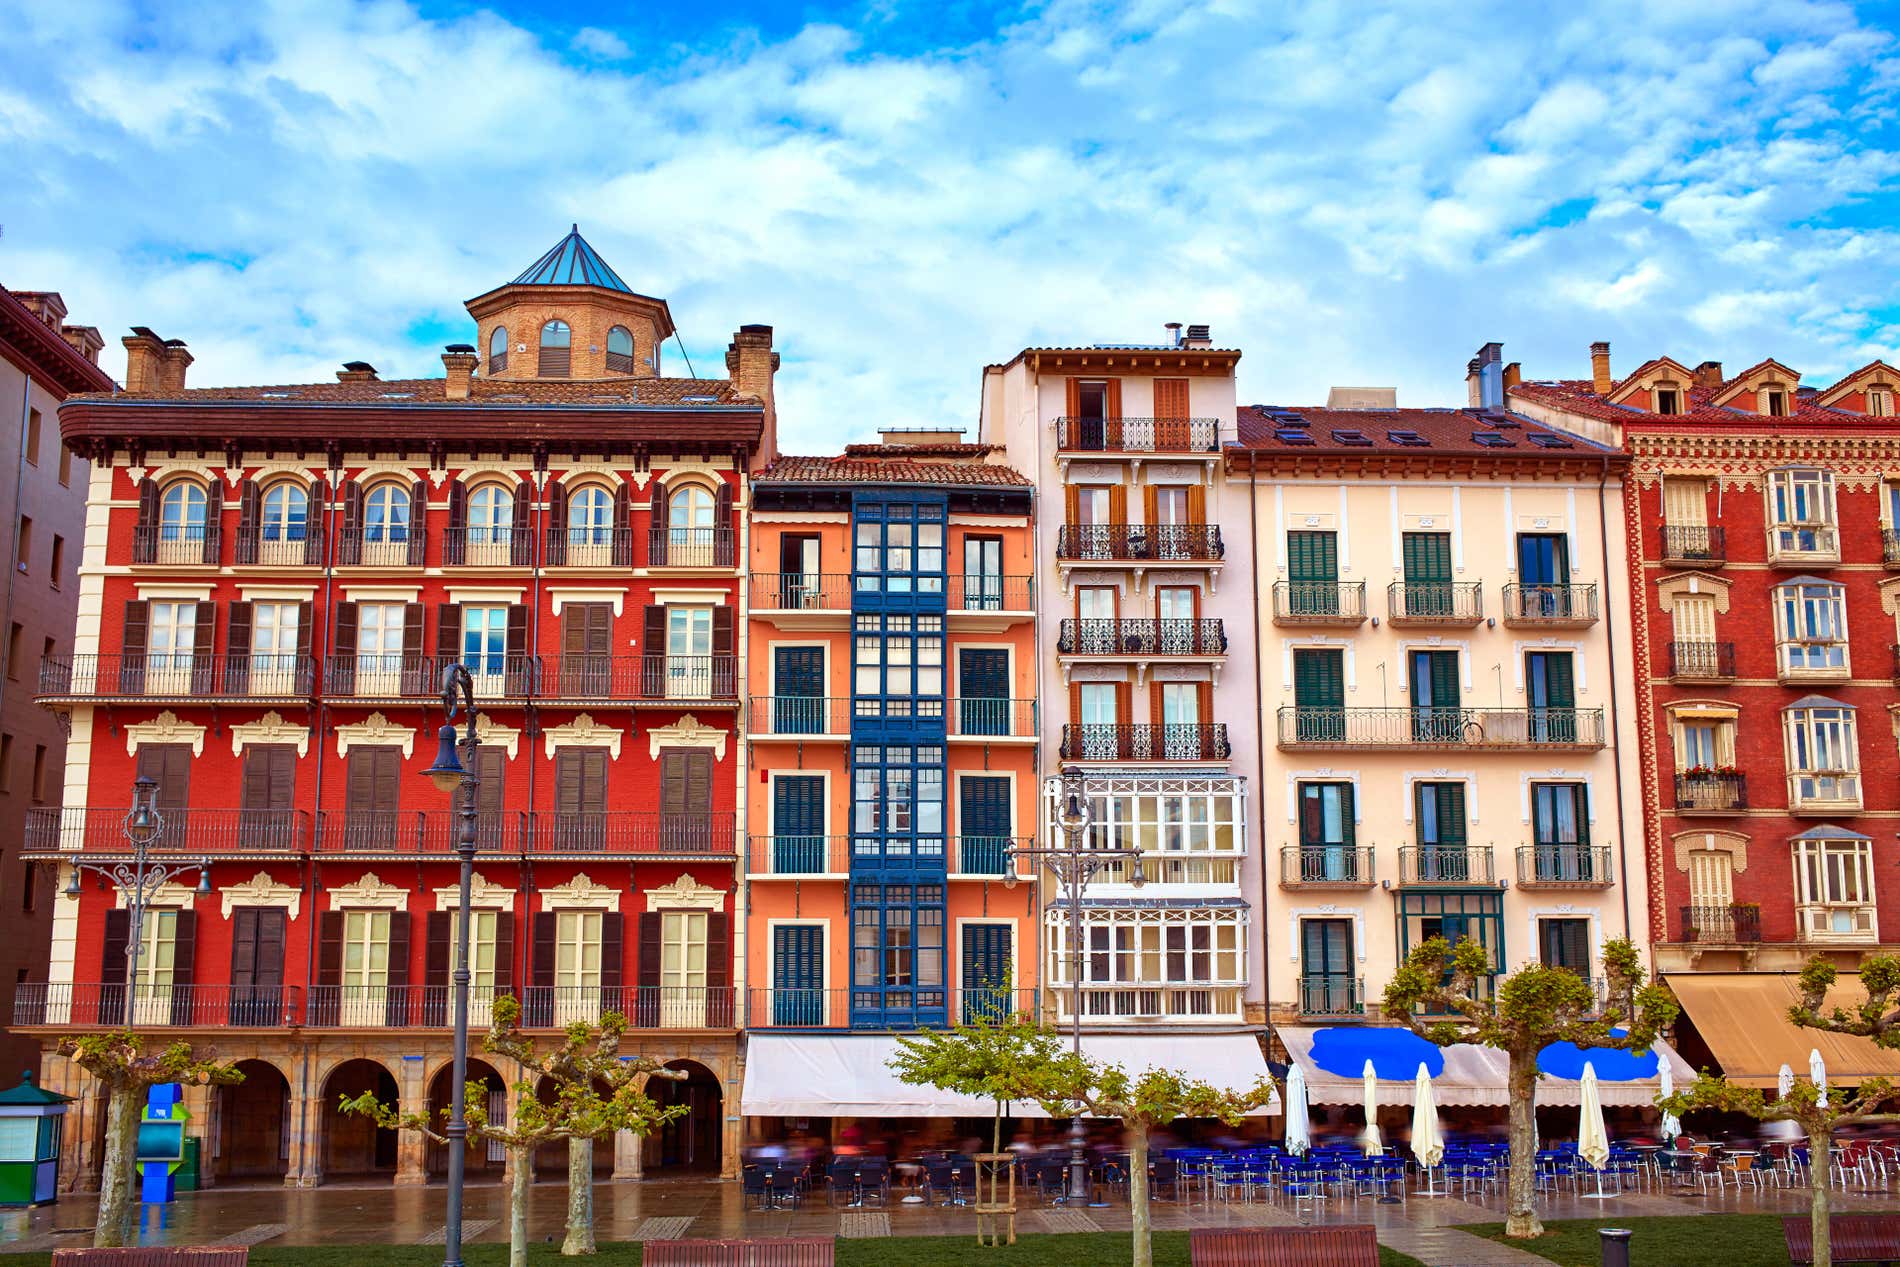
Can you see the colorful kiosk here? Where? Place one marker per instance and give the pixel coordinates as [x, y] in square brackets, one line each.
[31, 1121]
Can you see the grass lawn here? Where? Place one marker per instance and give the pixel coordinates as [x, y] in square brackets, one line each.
[1695, 1240]
[1171, 1250]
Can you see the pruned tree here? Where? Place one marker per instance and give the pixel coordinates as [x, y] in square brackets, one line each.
[1818, 1113]
[1875, 1017]
[1435, 994]
[120, 1061]
[1000, 1058]
[1142, 1102]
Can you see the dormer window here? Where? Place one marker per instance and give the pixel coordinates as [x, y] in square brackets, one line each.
[1880, 402]
[498, 350]
[619, 351]
[1668, 398]
[1774, 400]
[556, 350]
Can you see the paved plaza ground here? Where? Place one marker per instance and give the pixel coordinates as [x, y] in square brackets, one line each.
[1428, 1229]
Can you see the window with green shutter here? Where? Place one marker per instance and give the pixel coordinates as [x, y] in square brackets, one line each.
[1319, 693]
[1312, 569]
[1427, 560]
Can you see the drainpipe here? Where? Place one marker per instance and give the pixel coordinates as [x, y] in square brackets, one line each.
[524, 924]
[311, 918]
[1622, 827]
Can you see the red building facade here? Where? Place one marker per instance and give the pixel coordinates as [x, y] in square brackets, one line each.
[1762, 539]
[275, 580]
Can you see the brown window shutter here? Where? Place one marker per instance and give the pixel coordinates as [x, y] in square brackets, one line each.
[622, 552]
[145, 535]
[418, 523]
[1072, 504]
[184, 947]
[342, 675]
[306, 634]
[455, 540]
[648, 959]
[719, 1008]
[254, 783]
[346, 630]
[417, 676]
[656, 525]
[388, 768]
[448, 633]
[271, 923]
[1124, 704]
[557, 525]
[437, 954]
[1112, 409]
[118, 932]
[723, 640]
[491, 765]
[653, 652]
[352, 551]
[724, 532]
[1118, 504]
[521, 532]
[249, 502]
[540, 1002]
[504, 950]
[204, 642]
[1075, 703]
[1197, 504]
[1150, 497]
[1155, 712]
[330, 948]
[613, 957]
[672, 781]
[396, 1009]
[214, 522]
[169, 766]
[1171, 399]
[244, 945]
[237, 644]
[313, 524]
[283, 776]
[517, 632]
[1072, 398]
[567, 780]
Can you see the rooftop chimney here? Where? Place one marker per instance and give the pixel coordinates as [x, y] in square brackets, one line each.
[1198, 337]
[143, 353]
[751, 361]
[1600, 380]
[1708, 374]
[1484, 378]
[1513, 374]
[459, 360]
[174, 360]
[356, 372]
[1174, 333]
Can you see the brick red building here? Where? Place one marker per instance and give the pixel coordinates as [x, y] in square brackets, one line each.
[1763, 546]
[275, 579]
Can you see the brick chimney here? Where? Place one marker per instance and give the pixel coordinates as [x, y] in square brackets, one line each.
[173, 361]
[356, 372]
[143, 353]
[459, 360]
[1513, 374]
[1600, 380]
[752, 362]
[1708, 374]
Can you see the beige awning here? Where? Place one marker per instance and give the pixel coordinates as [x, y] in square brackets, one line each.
[1743, 1019]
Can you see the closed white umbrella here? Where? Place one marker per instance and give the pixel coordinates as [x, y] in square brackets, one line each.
[1299, 1136]
[1428, 1146]
[1784, 1083]
[1370, 1141]
[1593, 1140]
[1671, 1127]
[1817, 1070]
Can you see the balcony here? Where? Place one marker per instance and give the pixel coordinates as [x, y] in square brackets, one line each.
[980, 592]
[1138, 435]
[1711, 792]
[1540, 729]
[177, 545]
[641, 679]
[389, 678]
[1799, 660]
[1701, 661]
[689, 548]
[1319, 604]
[95, 1005]
[412, 833]
[1803, 544]
[488, 547]
[1186, 1004]
[601, 547]
[542, 1007]
[832, 1009]
[628, 834]
[1853, 923]
[1823, 791]
[186, 833]
[1326, 867]
[1721, 925]
[1139, 543]
[1890, 547]
[799, 716]
[986, 718]
[1171, 742]
[1550, 606]
[296, 545]
[189, 675]
[394, 546]
[1421, 604]
[1445, 864]
[1332, 994]
[1694, 546]
[802, 600]
[1564, 867]
[1142, 638]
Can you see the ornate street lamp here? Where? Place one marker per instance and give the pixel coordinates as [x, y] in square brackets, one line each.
[454, 771]
[139, 880]
[1075, 863]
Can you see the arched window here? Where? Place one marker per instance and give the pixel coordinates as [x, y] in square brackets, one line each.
[689, 522]
[386, 513]
[181, 512]
[286, 512]
[619, 350]
[590, 516]
[491, 515]
[556, 349]
[498, 350]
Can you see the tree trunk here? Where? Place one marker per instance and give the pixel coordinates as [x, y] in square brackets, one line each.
[119, 1180]
[580, 1197]
[1820, 1150]
[1138, 1194]
[996, 1172]
[1520, 1219]
[518, 1192]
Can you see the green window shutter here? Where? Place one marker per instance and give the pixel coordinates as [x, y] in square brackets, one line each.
[1559, 673]
[1319, 679]
[1427, 557]
[1312, 556]
[1445, 679]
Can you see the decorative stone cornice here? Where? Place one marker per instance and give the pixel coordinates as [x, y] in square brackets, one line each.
[687, 732]
[369, 892]
[261, 890]
[580, 893]
[483, 894]
[583, 732]
[165, 728]
[685, 893]
[375, 730]
[269, 729]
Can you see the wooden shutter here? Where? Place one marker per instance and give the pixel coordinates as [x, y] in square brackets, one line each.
[723, 647]
[204, 642]
[613, 955]
[306, 634]
[244, 945]
[504, 951]
[1072, 504]
[313, 524]
[1150, 504]
[396, 1009]
[1318, 679]
[145, 535]
[724, 534]
[653, 648]
[539, 1009]
[491, 764]
[1171, 400]
[138, 619]
[184, 965]
[112, 944]
[1312, 557]
[1112, 412]
[1196, 504]
[417, 678]
[585, 628]
[352, 544]
[330, 948]
[515, 665]
[237, 643]
[1686, 503]
[1426, 557]
[169, 766]
[448, 633]
[520, 532]
[455, 541]
[647, 961]
[1694, 617]
[342, 675]
[1072, 399]
[719, 1009]
[656, 525]
[438, 956]
[1118, 504]
[249, 504]
[418, 523]
[623, 527]
[557, 526]
[214, 522]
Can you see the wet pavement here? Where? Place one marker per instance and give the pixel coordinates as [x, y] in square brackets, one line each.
[1425, 1227]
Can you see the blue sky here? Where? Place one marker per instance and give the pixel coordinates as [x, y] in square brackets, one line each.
[907, 191]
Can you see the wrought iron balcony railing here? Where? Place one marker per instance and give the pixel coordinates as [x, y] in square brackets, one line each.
[637, 833]
[1142, 637]
[799, 1008]
[393, 676]
[1730, 925]
[641, 677]
[1445, 864]
[1319, 602]
[1694, 545]
[280, 545]
[1435, 602]
[488, 547]
[801, 591]
[186, 832]
[1326, 867]
[1553, 606]
[1332, 994]
[588, 547]
[1701, 661]
[689, 547]
[1140, 543]
[102, 1005]
[796, 715]
[1138, 435]
[1440, 727]
[1564, 866]
[197, 674]
[393, 545]
[984, 592]
[1167, 742]
[975, 718]
[1711, 792]
[184, 545]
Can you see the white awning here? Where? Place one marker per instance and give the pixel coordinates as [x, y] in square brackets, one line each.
[846, 1075]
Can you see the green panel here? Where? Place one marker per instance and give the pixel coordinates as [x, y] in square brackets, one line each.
[1312, 556]
[1427, 557]
[1447, 803]
[16, 1183]
[1319, 678]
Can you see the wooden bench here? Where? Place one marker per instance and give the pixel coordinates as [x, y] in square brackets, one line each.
[155, 1256]
[775, 1251]
[1347, 1245]
[1856, 1238]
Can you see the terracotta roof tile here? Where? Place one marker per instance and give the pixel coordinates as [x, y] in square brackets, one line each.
[430, 391]
[1313, 429]
[1576, 396]
[858, 470]
[957, 450]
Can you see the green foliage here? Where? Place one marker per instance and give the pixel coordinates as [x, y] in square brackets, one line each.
[1874, 1018]
[118, 1059]
[1146, 1100]
[1001, 1059]
[1801, 1105]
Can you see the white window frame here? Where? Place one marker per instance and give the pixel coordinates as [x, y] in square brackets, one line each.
[1834, 889]
[1793, 536]
[1813, 785]
[1811, 629]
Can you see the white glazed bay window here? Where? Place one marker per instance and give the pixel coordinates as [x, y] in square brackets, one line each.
[1811, 629]
[1801, 514]
[1189, 830]
[1834, 886]
[1823, 754]
[1148, 963]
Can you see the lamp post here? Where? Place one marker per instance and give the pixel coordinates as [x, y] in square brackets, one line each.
[452, 774]
[140, 879]
[1074, 863]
